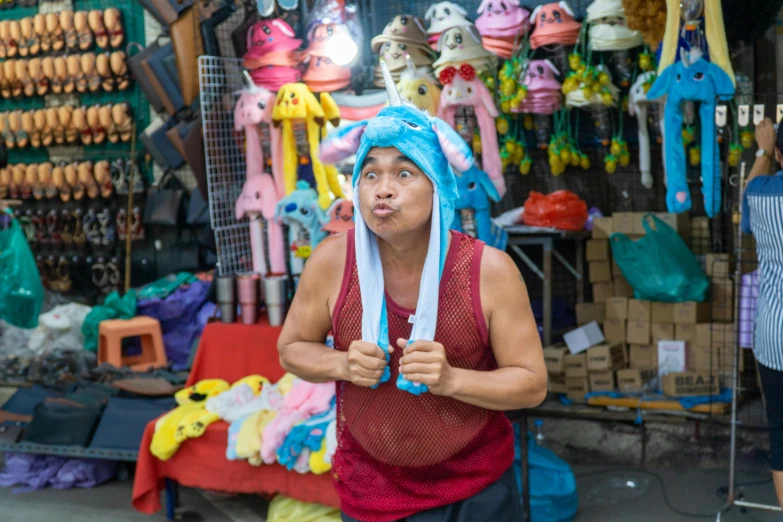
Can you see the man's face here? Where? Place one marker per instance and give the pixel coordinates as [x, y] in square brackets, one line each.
[395, 196]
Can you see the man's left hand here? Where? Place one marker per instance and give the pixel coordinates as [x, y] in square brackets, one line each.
[425, 362]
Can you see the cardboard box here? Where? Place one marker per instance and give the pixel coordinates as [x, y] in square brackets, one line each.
[617, 308]
[602, 292]
[622, 288]
[639, 310]
[600, 313]
[602, 227]
[643, 356]
[662, 332]
[672, 357]
[623, 222]
[557, 384]
[577, 388]
[616, 272]
[600, 271]
[662, 312]
[638, 223]
[638, 332]
[614, 330]
[683, 384]
[685, 332]
[681, 223]
[715, 335]
[634, 379]
[576, 365]
[711, 361]
[585, 313]
[722, 297]
[605, 357]
[718, 266]
[691, 312]
[597, 250]
[554, 358]
[583, 337]
[602, 382]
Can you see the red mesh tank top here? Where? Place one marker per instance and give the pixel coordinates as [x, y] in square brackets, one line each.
[399, 454]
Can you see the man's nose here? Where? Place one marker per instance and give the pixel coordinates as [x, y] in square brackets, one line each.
[385, 189]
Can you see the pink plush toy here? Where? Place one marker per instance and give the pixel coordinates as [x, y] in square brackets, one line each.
[260, 192]
[463, 87]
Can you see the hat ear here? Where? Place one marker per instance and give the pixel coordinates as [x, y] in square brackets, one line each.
[284, 28]
[456, 150]
[565, 7]
[473, 32]
[342, 143]
[430, 11]
[459, 9]
[552, 66]
[419, 25]
[534, 14]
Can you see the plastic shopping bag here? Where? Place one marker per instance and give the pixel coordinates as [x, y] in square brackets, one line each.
[284, 509]
[21, 291]
[563, 210]
[660, 266]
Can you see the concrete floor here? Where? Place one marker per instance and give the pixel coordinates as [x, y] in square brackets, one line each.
[693, 491]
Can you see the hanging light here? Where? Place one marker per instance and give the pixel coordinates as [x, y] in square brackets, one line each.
[341, 47]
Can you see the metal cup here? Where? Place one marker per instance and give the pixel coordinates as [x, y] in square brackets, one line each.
[247, 287]
[275, 288]
[226, 298]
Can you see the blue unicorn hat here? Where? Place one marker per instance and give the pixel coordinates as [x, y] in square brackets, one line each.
[436, 148]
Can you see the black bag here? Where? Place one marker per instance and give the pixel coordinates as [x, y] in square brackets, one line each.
[61, 424]
[181, 256]
[11, 431]
[164, 205]
[198, 210]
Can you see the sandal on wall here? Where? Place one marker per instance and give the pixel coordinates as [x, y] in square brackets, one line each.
[79, 124]
[57, 83]
[119, 69]
[103, 68]
[39, 29]
[63, 115]
[40, 85]
[5, 86]
[5, 182]
[75, 76]
[25, 38]
[103, 178]
[66, 226]
[69, 180]
[86, 178]
[97, 132]
[30, 179]
[73, 179]
[55, 31]
[4, 36]
[49, 78]
[27, 125]
[21, 68]
[79, 237]
[14, 34]
[105, 122]
[92, 80]
[118, 178]
[9, 138]
[112, 19]
[82, 26]
[50, 184]
[17, 180]
[47, 134]
[98, 28]
[9, 78]
[15, 126]
[17, 89]
[40, 182]
[39, 122]
[72, 134]
[70, 35]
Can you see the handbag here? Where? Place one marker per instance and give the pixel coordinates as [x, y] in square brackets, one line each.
[208, 29]
[186, 38]
[11, 432]
[198, 210]
[181, 256]
[61, 424]
[164, 204]
[134, 62]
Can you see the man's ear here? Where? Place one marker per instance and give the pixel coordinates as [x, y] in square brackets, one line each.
[342, 143]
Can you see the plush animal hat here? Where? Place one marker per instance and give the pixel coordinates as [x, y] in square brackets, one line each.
[555, 24]
[605, 34]
[436, 148]
[270, 36]
[462, 44]
[445, 15]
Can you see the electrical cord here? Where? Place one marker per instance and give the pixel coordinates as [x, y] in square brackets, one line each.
[722, 490]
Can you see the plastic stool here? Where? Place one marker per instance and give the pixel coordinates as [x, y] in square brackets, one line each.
[112, 332]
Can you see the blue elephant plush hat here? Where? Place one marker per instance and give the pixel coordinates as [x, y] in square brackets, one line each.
[436, 148]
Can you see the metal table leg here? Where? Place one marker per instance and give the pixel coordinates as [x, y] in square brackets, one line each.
[525, 469]
[547, 291]
[171, 498]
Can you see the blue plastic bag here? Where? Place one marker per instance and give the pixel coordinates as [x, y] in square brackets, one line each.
[21, 291]
[659, 266]
[553, 496]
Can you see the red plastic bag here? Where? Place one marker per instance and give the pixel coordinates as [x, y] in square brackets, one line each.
[563, 210]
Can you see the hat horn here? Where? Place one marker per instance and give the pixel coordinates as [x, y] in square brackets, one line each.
[391, 90]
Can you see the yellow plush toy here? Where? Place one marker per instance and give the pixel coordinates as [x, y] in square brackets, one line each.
[256, 382]
[295, 104]
[419, 87]
[249, 439]
[317, 463]
[285, 383]
[188, 420]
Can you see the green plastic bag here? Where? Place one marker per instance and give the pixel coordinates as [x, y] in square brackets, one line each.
[21, 291]
[113, 307]
[284, 509]
[660, 266]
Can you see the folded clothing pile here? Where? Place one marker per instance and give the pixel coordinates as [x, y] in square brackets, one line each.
[502, 26]
[442, 17]
[272, 57]
[322, 74]
[403, 36]
[554, 25]
[543, 89]
[463, 44]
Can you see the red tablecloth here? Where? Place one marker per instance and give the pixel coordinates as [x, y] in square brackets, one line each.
[227, 352]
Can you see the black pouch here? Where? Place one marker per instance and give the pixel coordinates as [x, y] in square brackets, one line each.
[63, 425]
[11, 431]
[164, 204]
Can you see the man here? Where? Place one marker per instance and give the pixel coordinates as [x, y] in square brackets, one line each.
[762, 215]
[432, 444]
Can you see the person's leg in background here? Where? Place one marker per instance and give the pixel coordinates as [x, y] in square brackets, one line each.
[772, 384]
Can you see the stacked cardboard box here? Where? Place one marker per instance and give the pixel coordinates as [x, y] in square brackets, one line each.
[554, 358]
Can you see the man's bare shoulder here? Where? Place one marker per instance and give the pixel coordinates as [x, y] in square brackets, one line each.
[497, 268]
[328, 259]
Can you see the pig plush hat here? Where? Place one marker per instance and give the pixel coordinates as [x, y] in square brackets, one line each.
[436, 148]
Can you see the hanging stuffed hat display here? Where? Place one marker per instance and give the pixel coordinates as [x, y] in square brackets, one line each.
[271, 57]
[340, 217]
[461, 45]
[442, 17]
[543, 89]
[323, 74]
[463, 88]
[554, 25]
[638, 106]
[404, 35]
[436, 149]
[419, 86]
[606, 94]
[502, 25]
[608, 30]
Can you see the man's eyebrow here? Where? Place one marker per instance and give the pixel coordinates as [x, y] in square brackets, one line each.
[369, 160]
[403, 159]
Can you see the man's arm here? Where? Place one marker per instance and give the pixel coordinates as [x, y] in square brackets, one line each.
[765, 138]
[301, 343]
[521, 379]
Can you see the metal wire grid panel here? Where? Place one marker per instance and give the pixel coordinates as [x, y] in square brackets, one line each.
[220, 80]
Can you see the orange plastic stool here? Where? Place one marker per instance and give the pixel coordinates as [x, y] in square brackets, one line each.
[112, 332]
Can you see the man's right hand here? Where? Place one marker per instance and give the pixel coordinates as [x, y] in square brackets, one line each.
[364, 363]
[765, 137]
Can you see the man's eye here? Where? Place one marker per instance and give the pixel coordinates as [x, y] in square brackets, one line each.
[405, 174]
[370, 175]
